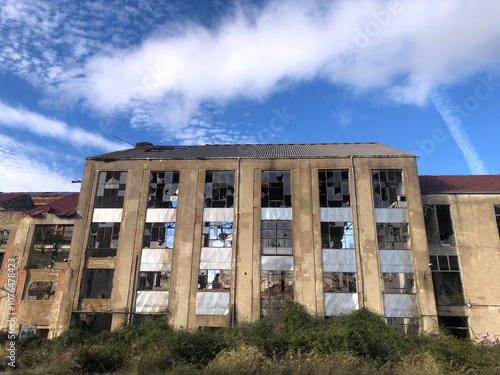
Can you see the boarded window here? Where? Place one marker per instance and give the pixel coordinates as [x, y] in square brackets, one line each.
[41, 291]
[163, 189]
[214, 279]
[334, 188]
[158, 236]
[388, 188]
[337, 235]
[276, 237]
[219, 189]
[110, 190]
[217, 234]
[398, 283]
[276, 288]
[276, 189]
[393, 236]
[407, 326]
[103, 239]
[52, 244]
[154, 281]
[446, 280]
[97, 283]
[339, 282]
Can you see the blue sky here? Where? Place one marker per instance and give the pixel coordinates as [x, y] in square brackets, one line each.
[74, 75]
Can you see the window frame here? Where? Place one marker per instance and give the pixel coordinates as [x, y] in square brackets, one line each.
[159, 281]
[223, 278]
[51, 237]
[156, 190]
[406, 289]
[332, 182]
[207, 232]
[267, 230]
[405, 245]
[346, 239]
[336, 282]
[272, 177]
[114, 190]
[49, 290]
[217, 182]
[381, 178]
[157, 228]
[93, 237]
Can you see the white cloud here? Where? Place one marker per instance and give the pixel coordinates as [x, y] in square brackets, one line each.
[22, 119]
[22, 172]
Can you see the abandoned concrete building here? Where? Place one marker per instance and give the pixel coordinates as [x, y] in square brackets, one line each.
[218, 234]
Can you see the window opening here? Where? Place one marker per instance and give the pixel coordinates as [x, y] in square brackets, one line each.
[398, 283]
[388, 188]
[52, 244]
[497, 216]
[110, 190]
[276, 189]
[97, 283]
[276, 288]
[339, 282]
[217, 234]
[158, 236]
[219, 189]
[407, 326]
[337, 235]
[393, 236]
[41, 291]
[455, 325]
[446, 279]
[163, 189]
[158, 281]
[276, 237]
[334, 188]
[214, 279]
[103, 239]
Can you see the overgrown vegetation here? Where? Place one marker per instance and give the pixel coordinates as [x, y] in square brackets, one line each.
[359, 343]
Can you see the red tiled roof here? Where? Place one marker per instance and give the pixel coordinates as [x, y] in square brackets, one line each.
[4, 197]
[460, 184]
[65, 206]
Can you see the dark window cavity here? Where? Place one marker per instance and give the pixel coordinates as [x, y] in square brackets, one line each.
[158, 236]
[214, 279]
[276, 288]
[446, 280]
[276, 237]
[337, 235]
[154, 281]
[97, 283]
[219, 189]
[393, 236]
[455, 325]
[163, 189]
[276, 189]
[41, 291]
[52, 244]
[110, 190]
[4, 237]
[398, 283]
[103, 239]
[217, 234]
[497, 215]
[334, 188]
[339, 282]
[388, 188]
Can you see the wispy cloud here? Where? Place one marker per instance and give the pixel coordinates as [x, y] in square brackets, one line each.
[448, 111]
[22, 119]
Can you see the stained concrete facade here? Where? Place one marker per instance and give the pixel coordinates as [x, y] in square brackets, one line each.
[380, 260]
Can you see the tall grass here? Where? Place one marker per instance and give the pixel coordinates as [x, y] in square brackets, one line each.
[296, 343]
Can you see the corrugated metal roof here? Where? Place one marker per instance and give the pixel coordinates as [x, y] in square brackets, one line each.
[65, 206]
[256, 151]
[460, 184]
[4, 197]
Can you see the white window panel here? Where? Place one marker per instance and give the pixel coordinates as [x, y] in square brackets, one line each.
[391, 215]
[340, 303]
[339, 260]
[395, 261]
[156, 260]
[107, 215]
[160, 215]
[218, 214]
[276, 213]
[215, 258]
[276, 263]
[335, 213]
[400, 305]
[212, 303]
[148, 301]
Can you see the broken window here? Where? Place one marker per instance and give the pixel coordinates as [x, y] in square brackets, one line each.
[276, 189]
[334, 188]
[407, 326]
[276, 237]
[154, 281]
[52, 244]
[97, 283]
[339, 282]
[219, 189]
[4, 236]
[388, 188]
[276, 288]
[163, 189]
[158, 236]
[497, 215]
[214, 279]
[41, 291]
[110, 190]
[455, 325]
[393, 236]
[217, 234]
[398, 283]
[439, 225]
[446, 280]
[337, 235]
[103, 239]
